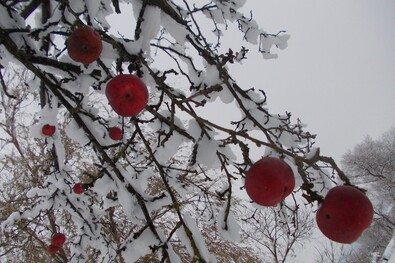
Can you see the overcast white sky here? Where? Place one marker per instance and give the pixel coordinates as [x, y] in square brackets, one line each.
[338, 73]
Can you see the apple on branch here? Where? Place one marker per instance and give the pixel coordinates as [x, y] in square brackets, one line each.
[115, 133]
[127, 95]
[58, 239]
[78, 188]
[269, 181]
[48, 130]
[84, 45]
[344, 214]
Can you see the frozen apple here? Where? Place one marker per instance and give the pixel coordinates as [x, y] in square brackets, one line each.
[48, 130]
[127, 95]
[58, 239]
[115, 133]
[269, 181]
[344, 214]
[78, 188]
[84, 45]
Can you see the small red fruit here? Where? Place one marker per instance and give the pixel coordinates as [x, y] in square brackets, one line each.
[48, 130]
[127, 95]
[344, 214]
[115, 133]
[53, 249]
[58, 239]
[269, 181]
[78, 188]
[84, 45]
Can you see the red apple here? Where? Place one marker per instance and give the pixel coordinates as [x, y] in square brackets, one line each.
[58, 239]
[84, 45]
[269, 181]
[127, 95]
[115, 133]
[78, 188]
[53, 249]
[344, 214]
[48, 130]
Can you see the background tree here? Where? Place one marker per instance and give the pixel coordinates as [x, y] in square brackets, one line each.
[275, 234]
[371, 164]
[268, 228]
[25, 164]
[331, 252]
[143, 197]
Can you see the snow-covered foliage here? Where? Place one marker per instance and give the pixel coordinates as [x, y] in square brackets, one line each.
[175, 172]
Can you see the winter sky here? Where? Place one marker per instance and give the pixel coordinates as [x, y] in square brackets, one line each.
[337, 74]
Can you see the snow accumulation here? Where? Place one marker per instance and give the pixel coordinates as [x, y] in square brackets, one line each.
[389, 253]
[227, 225]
